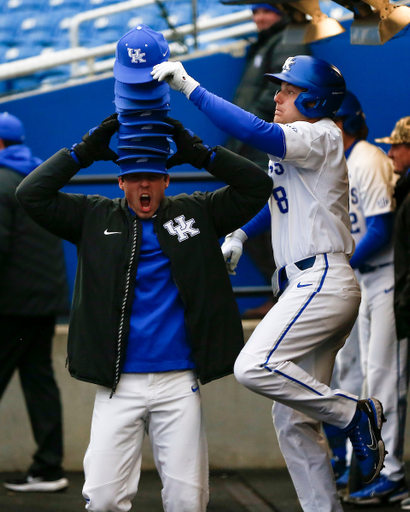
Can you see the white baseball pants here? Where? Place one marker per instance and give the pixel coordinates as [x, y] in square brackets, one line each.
[289, 359]
[384, 362]
[168, 405]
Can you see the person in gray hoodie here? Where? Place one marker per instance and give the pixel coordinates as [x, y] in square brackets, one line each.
[33, 291]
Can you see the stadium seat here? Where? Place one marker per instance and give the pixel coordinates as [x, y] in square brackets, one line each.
[148, 15]
[179, 13]
[104, 30]
[9, 25]
[214, 8]
[77, 5]
[23, 52]
[37, 29]
[56, 75]
[19, 6]
[94, 4]
[61, 27]
[3, 50]
[23, 83]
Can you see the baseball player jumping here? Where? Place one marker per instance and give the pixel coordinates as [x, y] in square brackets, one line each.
[290, 356]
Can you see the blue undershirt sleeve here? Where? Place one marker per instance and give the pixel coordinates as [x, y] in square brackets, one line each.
[244, 126]
[259, 224]
[378, 235]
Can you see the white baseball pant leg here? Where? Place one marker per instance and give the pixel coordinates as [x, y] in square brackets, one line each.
[170, 404]
[384, 362]
[347, 374]
[289, 359]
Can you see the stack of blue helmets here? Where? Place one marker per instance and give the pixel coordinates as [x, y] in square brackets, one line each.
[142, 103]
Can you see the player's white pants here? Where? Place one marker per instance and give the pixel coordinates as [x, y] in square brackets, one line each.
[347, 374]
[168, 404]
[290, 357]
[384, 362]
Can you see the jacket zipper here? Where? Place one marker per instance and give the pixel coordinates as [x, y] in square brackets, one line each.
[124, 303]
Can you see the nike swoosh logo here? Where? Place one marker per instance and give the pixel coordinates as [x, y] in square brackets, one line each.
[106, 232]
[303, 285]
[389, 290]
[373, 445]
[194, 388]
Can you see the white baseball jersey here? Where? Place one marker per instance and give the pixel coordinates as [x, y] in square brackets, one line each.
[371, 193]
[310, 198]
[383, 358]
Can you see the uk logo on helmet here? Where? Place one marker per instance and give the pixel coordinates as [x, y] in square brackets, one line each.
[136, 56]
[289, 62]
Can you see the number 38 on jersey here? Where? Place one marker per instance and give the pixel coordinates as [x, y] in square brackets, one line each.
[279, 193]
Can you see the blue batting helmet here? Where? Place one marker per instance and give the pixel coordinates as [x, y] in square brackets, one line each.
[352, 112]
[324, 84]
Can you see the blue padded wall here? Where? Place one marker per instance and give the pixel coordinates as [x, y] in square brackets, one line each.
[379, 75]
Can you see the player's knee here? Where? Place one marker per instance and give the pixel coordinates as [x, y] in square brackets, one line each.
[244, 370]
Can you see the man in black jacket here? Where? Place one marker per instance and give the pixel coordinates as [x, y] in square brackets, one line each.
[400, 154]
[255, 94]
[33, 291]
[153, 308]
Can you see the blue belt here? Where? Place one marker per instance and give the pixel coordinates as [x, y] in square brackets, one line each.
[302, 265]
[366, 269]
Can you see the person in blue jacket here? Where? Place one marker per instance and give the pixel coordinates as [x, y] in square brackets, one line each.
[33, 291]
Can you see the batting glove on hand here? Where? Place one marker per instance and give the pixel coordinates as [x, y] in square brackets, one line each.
[232, 249]
[189, 146]
[95, 145]
[175, 75]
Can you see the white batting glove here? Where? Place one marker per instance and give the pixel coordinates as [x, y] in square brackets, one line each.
[175, 75]
[232, 249]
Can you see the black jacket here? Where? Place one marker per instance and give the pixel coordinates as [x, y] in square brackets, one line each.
[107, 265]
[32, 267]
[401, 243]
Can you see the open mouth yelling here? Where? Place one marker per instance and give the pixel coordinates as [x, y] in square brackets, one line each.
[145, 201]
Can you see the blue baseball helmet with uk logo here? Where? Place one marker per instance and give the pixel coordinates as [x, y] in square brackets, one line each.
[137, 52]
[324, 84]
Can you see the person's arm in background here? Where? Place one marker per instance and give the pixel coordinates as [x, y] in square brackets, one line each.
[378, 236]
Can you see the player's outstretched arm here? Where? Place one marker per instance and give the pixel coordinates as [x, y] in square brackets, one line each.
[244, 126]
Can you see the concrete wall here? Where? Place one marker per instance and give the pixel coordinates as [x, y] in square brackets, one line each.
[239, 424]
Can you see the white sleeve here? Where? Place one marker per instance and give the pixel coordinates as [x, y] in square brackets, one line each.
[374, 171]
[308, 144]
